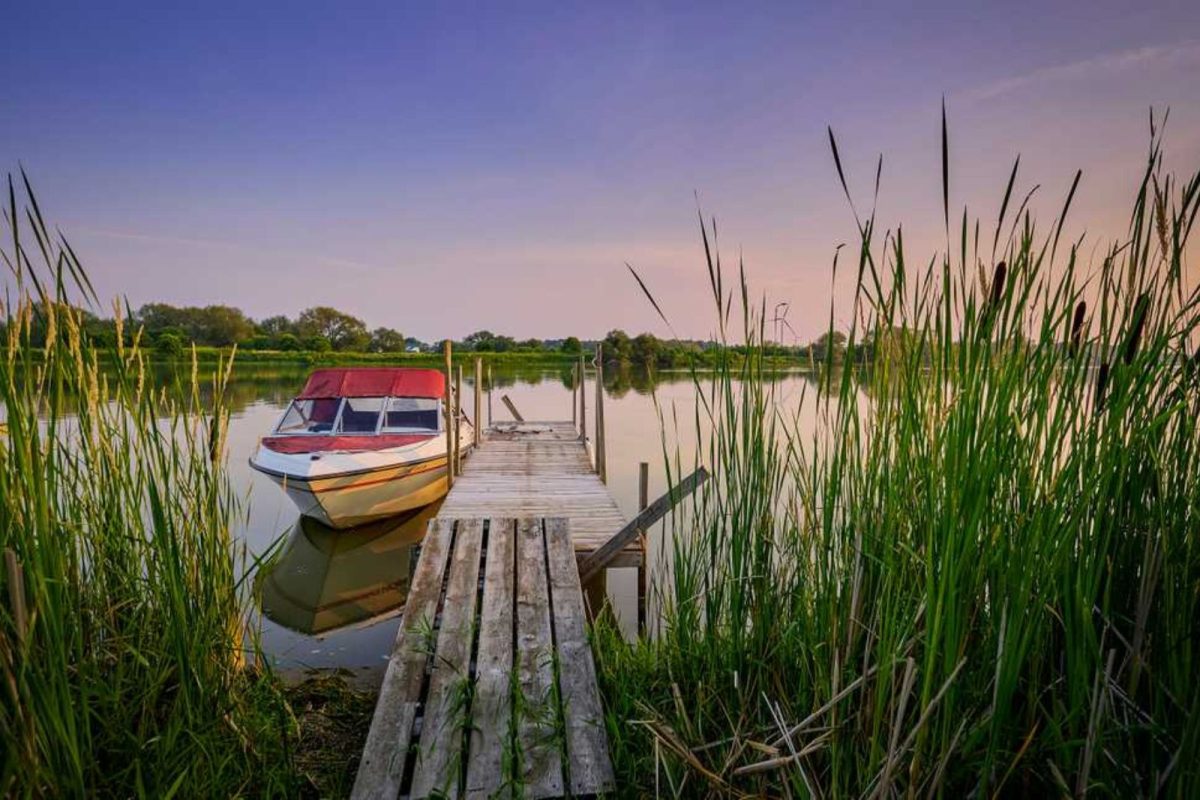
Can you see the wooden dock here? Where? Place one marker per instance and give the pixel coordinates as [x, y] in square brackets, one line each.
[540, 469]
[491, 689]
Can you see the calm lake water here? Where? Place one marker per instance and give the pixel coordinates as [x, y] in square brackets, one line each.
[331, 598]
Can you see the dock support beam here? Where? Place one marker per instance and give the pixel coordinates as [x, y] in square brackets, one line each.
[582, 400]
[478, 401]
[458, 420]
[598, 559]
[643, 573]
[449, 417]
[601, 456]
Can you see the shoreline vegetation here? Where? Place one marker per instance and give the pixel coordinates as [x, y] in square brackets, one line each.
[326, 336]
[985, 582]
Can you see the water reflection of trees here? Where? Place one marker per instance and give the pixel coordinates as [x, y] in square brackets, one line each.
[276, 385]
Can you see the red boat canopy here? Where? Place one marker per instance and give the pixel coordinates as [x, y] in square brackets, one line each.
[374, 382]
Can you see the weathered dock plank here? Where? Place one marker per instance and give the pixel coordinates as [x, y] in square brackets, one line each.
[494, 665]
[540, 469]
[583, 715]
[442, 730]
[385, 754]
[541, 765]
[496, 621]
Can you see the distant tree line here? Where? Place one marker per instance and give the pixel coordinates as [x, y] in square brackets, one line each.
[171, 330]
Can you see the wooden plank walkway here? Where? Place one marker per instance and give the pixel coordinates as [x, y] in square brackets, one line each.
[490, 690]
[539, 469]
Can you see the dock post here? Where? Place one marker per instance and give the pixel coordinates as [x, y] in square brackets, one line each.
[601, 456]
[574, 390]
[489, 392]
[458, 375]
[643, 575]
[582, 401]
[449, 410]
[478, 400]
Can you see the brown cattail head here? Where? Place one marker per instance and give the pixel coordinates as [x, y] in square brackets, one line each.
[998, 284]
[1101, 385]
[1077, 328]
[1140, 309]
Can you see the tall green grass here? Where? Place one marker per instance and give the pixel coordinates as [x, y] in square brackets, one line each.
[980, 574]
[126, 675]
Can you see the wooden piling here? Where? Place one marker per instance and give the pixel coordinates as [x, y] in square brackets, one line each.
[449, 412]
[643, 576]
[458, 376]
[478, 400]
[574, 391]
[489, 394]
[512, 409]
[601, 456]
[582, 400]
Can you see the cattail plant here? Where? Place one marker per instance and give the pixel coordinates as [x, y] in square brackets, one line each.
[129, 676]
[978, 576]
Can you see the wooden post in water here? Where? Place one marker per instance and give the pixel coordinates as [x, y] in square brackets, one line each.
[458, 375]
[449, 411]
[574, 390]
[478, 400]
[582, 400]
[489, 392]
[643, 576]
[601, 456]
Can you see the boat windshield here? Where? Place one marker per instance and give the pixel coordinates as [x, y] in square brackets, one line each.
[310, 416]
[412, 415]
[360, 415]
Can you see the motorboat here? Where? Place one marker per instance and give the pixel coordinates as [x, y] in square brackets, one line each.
[363, 443]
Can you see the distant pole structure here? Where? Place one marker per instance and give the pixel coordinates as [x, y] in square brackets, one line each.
[449, 409]
[478, 400]
[601, 466]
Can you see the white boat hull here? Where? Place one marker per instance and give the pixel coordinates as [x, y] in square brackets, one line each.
[345, 489]
[345, 501]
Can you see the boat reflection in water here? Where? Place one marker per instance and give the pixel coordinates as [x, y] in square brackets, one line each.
[325, 580]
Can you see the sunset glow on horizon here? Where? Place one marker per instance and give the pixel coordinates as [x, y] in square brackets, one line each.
[440, 170]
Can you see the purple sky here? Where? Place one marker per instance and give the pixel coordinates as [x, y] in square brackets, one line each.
[441, 170]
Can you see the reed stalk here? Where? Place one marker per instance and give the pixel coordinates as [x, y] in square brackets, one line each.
[980, 574]
[129, 674]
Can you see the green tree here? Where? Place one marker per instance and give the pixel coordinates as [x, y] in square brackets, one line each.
[317, 344]
[645, 350]
[386, 340]
[289, 342]
[341, 330]
[277, 325]
[617, 346]
[571, 345]
[222, 326]
[829, 343]
[169, 345]
[488, 342]
[216, 325]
